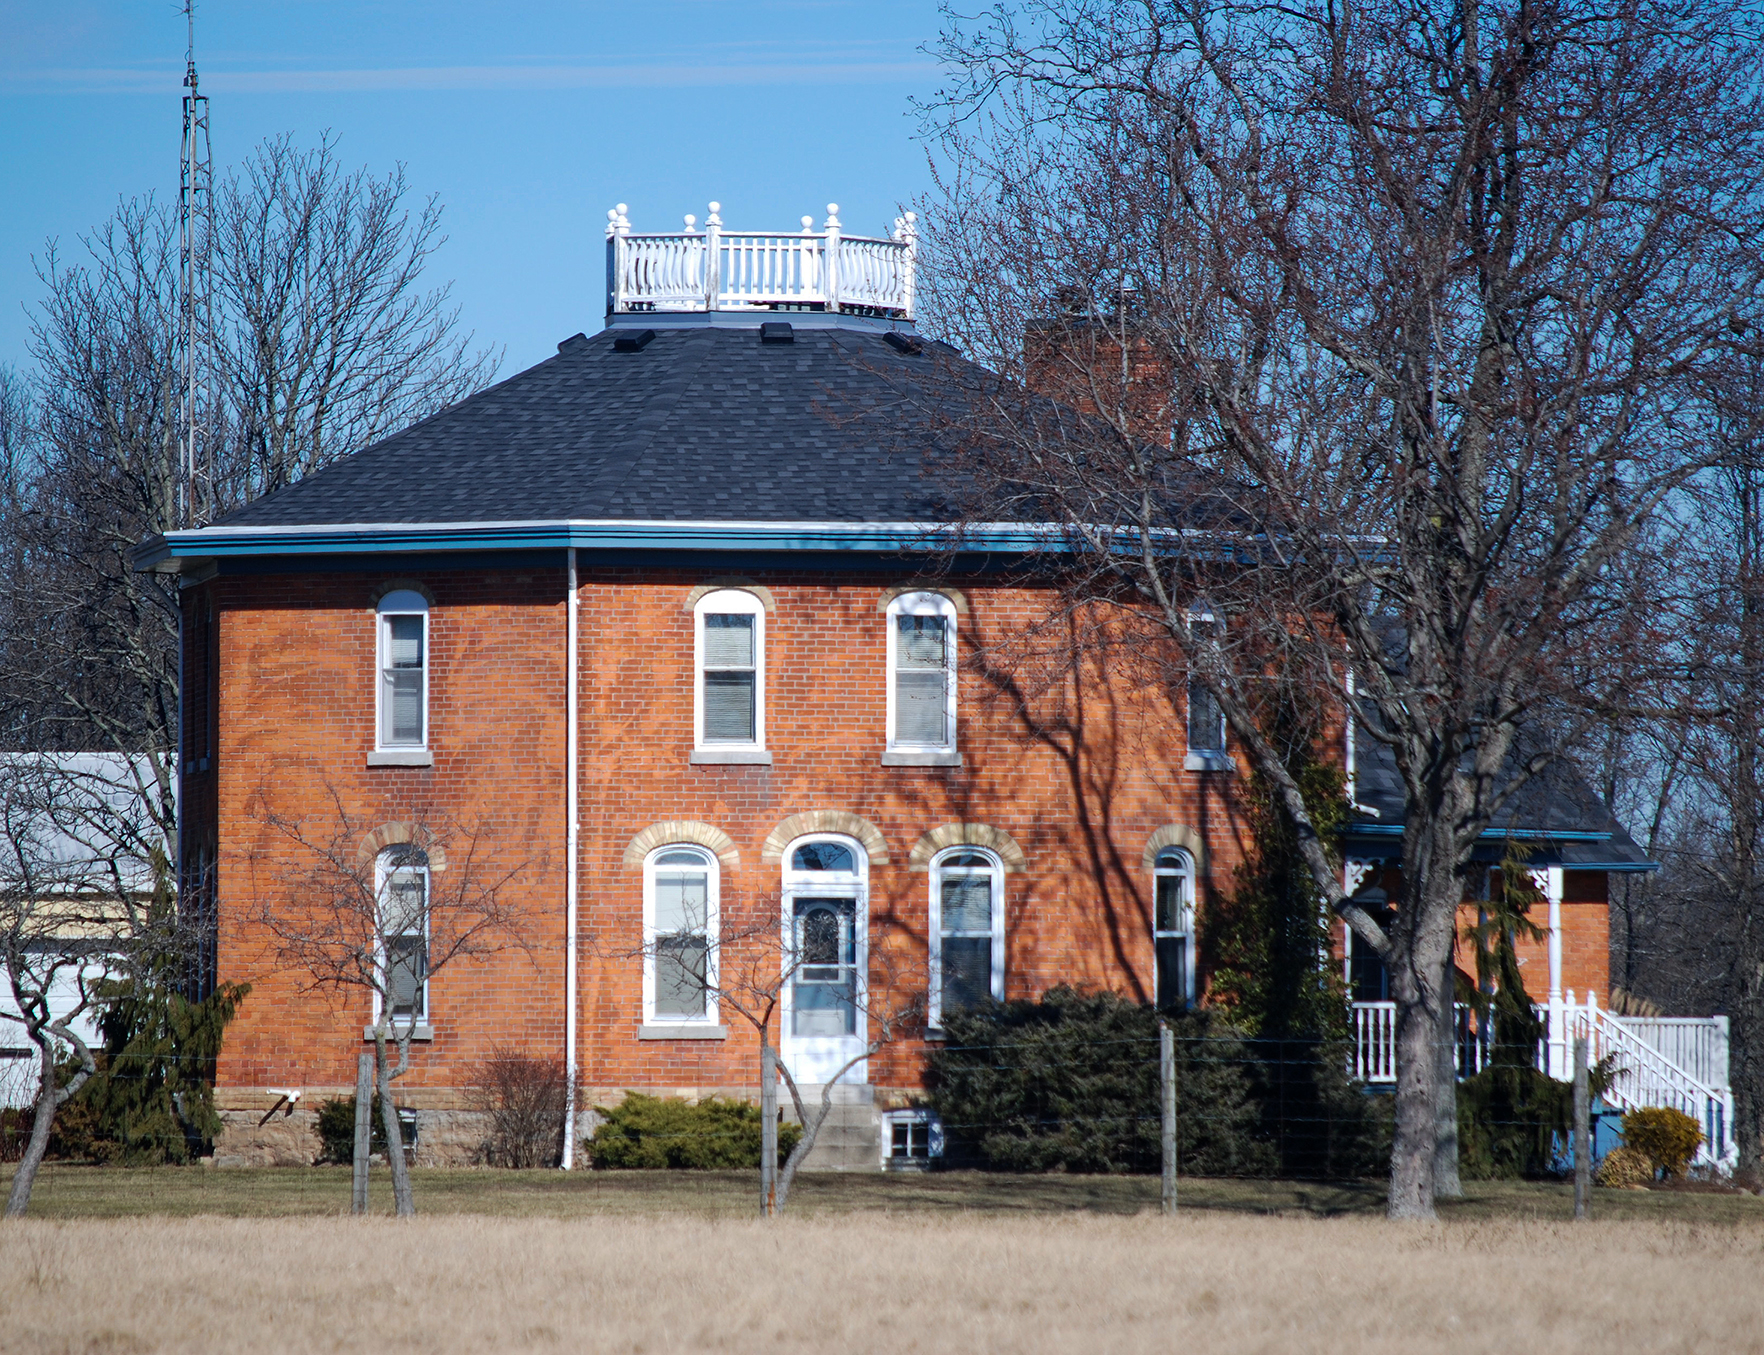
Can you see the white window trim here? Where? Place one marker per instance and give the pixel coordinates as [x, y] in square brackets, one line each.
[924, 604]
[1184, 872]
[399, 753]
[709, 1022]
[383, 871]
[934, 928]
[730, 601]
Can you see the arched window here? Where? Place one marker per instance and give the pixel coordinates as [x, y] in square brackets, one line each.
[967, 931]
[403, 716]
[729, 691]
[922, 674]
[1173, 928]
[403, 941]
[825, 952]
[680, 896]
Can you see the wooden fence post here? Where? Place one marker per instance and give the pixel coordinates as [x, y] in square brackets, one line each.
[1167, 1078]
[1582, 1133]
[768, 1125]
[364, 1109]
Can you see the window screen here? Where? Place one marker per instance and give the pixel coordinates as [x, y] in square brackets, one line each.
[682, 943]
[1206, 722]
[401, 712]
[921, 680]
[967, 906]
[729, 675]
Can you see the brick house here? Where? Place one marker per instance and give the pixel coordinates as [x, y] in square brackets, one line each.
[660, 612]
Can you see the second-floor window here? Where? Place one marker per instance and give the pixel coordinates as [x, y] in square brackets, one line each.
[404, 670]
[730, 703]
[921, 673]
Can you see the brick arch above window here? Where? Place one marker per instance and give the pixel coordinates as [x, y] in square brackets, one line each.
[957, 598]
[825, 821]
[388, 586]
[1176, 835]
[736, 581]
[681, 830]
[1000, 843]
[392, 834]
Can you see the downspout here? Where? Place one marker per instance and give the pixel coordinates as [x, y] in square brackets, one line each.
[570, 907]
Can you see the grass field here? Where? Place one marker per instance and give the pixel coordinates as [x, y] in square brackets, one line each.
[121, 1261]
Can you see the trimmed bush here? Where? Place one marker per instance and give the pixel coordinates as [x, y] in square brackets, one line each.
[1668, 1138]
[1624, 1167]
[656, 1132]
[1070, 1083]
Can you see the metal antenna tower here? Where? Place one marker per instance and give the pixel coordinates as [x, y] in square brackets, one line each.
[196, 304]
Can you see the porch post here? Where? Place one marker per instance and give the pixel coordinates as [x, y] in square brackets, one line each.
[1549, 883]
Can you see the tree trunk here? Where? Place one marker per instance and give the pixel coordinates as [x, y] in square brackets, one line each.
[1420, 953]
[26, 1177]
[404, 1203]
[1746, 1049]
[1446, 1183]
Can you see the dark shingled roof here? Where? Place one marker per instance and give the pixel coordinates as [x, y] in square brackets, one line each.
[703, 423]
[1556, 800]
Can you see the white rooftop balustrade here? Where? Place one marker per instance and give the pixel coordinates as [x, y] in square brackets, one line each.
[719, 270]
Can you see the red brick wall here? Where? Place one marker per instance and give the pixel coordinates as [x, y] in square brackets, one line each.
[1078, 773]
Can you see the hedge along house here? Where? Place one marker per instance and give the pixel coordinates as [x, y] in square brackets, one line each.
[667, 619]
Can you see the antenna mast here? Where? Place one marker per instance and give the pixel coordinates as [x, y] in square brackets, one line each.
[196, 311]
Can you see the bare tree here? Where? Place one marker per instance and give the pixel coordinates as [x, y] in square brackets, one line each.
[83, 895]
[1378, 344]
[759, 955]
[351, 915]
[328, 339]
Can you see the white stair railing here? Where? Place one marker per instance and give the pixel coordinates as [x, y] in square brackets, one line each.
[715, 270]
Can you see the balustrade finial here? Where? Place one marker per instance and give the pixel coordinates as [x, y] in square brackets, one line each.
[833, 216]
[691, 221]
[808, 225]
[715, 217]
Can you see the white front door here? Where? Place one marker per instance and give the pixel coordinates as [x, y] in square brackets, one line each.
[825, 924]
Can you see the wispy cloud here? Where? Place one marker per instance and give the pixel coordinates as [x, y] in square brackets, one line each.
[392, 79]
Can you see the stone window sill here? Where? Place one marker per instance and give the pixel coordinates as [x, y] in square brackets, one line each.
[682, 1032]
[903, 757]
[751, 757]
[1210, 762]
[423, 1031]
[401, 757]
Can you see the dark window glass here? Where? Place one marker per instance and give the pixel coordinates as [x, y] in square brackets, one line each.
[824, 856]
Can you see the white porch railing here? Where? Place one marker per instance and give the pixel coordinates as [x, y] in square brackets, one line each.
[715, 270]
[1374, 1058]
[1647, 1073]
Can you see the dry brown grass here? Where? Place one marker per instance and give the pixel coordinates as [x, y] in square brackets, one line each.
[877, 1281]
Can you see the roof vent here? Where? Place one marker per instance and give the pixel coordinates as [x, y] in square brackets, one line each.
[903, 343]
[572, 342]
[633, 343]
[777, 331]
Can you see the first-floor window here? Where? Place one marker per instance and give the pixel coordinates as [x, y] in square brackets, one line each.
[967, 929]
[404, 932]
[1173, 928]
[681, 890]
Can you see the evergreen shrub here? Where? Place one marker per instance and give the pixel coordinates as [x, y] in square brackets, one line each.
[336, 1129]
[1070, 1083]
[716, 1133]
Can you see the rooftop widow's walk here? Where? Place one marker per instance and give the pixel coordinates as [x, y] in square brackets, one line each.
[719, 270]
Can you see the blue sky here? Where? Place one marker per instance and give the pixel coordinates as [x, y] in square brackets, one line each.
[528, 120]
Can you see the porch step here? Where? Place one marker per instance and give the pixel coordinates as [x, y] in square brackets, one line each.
[850, 1138]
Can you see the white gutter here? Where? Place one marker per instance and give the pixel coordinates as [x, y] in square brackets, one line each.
[570, 907]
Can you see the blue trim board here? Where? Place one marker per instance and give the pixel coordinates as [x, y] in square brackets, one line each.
[1358, 829]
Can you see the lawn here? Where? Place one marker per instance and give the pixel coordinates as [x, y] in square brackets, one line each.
[66, 1192]
[882, 1265]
